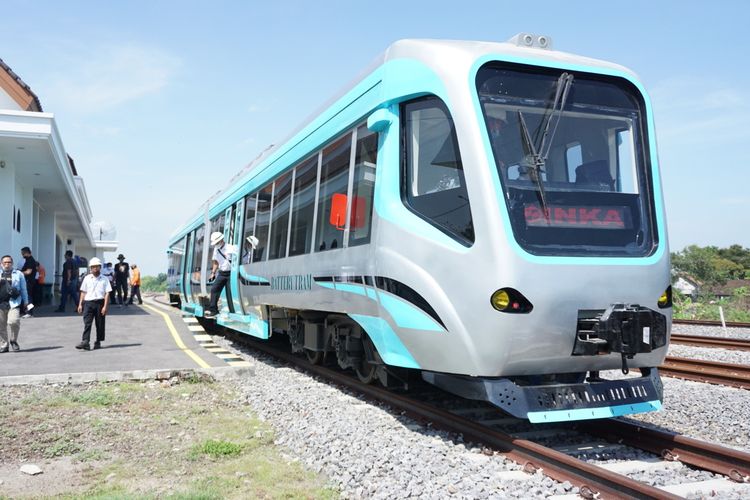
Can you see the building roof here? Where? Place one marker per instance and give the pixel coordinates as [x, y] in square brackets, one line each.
[18, 89]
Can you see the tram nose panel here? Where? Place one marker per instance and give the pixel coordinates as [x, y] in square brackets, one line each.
[628, 329]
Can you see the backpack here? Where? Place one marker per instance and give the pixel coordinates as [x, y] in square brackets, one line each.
[4, 291]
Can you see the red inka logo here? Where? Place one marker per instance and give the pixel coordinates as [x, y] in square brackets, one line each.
[582, 217]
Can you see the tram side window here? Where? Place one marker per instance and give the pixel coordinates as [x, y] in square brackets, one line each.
[249, 227]
[176, 256]
[262, 221]
[198, 255]
[282, 195]
[217, 223]
[364, 186]
[334, 177]
[303, 207]
[434, 177]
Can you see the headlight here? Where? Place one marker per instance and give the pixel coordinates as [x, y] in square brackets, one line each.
[666, 298]
[510, 300]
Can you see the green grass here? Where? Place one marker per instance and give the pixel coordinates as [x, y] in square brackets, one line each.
[193, 440]
[217, 448]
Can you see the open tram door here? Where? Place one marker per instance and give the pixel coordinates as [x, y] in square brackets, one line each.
[234, 236]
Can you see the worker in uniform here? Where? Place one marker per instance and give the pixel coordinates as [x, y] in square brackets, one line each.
[222, 262]
[93, 304]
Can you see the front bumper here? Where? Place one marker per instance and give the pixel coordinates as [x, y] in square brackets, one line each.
[559, 402]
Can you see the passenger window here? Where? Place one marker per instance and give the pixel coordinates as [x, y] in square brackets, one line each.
[363, 187]
[334, 179]
[280, 218]
[303, 207]
[262, 220]
[217, 223]
[247, 253]
[434, 177]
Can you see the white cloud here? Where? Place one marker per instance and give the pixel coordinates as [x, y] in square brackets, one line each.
[694, 111]
[111, 76]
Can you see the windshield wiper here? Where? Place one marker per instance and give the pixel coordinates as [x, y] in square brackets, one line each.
[538, 154]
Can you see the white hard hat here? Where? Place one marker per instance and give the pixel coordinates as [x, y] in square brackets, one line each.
[253, 241]
[95, 262]
[216, 237]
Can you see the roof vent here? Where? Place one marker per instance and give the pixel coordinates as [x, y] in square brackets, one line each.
[532, 41]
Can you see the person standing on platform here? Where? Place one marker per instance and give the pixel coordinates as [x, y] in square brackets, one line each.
[122, 277]
[12, 296]
[29, 271]
[93, 304]
[135, 284]
[69, 285]
[222, 262]
[109, 273]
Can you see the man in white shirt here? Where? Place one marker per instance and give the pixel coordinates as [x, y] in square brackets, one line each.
[93, 303]
[222, 262]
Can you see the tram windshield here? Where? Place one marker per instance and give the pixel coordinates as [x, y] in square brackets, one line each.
[571, 152]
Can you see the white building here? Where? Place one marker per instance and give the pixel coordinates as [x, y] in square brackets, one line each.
[43, 203]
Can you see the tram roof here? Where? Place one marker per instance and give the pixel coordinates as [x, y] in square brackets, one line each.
[431, 52]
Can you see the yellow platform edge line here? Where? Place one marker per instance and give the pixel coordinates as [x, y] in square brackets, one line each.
[177, 339]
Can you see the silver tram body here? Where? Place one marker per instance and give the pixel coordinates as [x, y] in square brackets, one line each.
[489, 214]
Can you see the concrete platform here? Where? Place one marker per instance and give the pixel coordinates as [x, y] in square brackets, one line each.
[151, 337]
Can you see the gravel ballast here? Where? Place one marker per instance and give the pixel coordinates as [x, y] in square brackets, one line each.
[368, 451]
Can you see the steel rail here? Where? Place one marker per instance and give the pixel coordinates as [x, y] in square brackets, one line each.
[714, 342]
[709, 322]
[712, 372]
[592, 481]
[729, 462]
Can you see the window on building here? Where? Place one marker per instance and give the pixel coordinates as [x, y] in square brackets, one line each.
[303, 207]
[334, 179]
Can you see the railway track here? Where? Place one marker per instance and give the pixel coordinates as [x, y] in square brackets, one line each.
[713, 342]
[593, 481]
[708, 322]
[712, 372]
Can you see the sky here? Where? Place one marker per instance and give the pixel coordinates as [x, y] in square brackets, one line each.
[160, 103]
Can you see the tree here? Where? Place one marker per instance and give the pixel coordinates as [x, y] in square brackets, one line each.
[154, 284]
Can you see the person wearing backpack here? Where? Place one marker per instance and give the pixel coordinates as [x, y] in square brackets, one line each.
[12, 296]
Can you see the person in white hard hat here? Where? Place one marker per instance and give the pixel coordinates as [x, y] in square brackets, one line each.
[222, 262]
[93, 304]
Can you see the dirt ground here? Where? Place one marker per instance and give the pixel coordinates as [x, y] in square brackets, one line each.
[176, 438]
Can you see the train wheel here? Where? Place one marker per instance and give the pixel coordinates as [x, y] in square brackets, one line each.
[314, 357]
[367, 371]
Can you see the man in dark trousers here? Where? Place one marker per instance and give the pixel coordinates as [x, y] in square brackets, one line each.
[69, 285]
[93, 304]
[222, 262]
[122, 278]
[29, 270]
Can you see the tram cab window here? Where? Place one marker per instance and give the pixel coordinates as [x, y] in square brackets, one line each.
[572, 157]
[363, 187]
[176, 256]
[334, 180]
[434, 185]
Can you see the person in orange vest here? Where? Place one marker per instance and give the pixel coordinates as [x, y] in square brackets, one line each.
[135, 284]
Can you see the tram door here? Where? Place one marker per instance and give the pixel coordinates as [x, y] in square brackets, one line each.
[227, 295]
[187, 265]
[236, 239]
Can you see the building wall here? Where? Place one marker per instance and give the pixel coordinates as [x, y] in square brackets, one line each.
[6, 102]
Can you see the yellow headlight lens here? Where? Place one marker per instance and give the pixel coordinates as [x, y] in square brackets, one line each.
[663, 299]
[500, 300]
